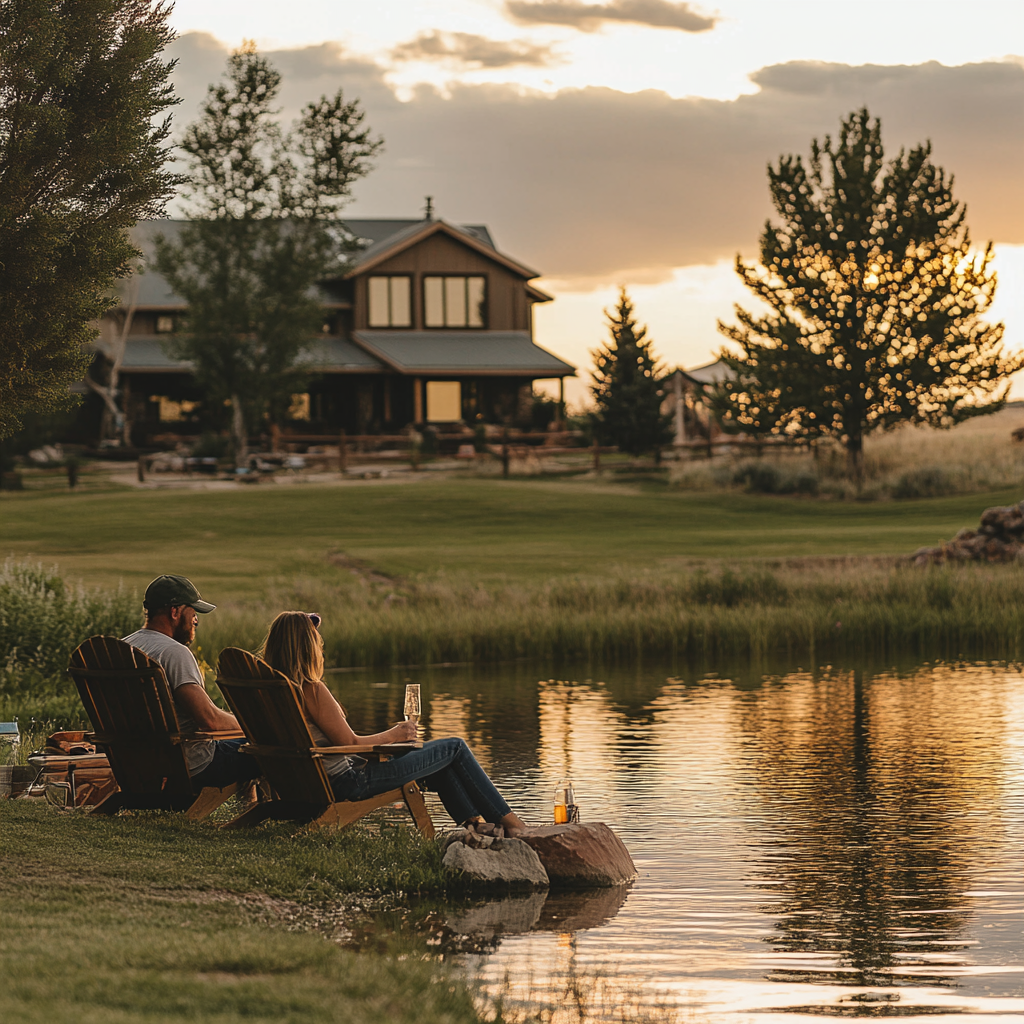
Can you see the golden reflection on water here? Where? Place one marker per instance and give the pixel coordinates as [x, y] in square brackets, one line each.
[832, 843]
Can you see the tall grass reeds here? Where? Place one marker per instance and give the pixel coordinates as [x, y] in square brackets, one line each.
[809, 610]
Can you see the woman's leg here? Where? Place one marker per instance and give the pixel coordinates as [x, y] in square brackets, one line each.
[450, 769]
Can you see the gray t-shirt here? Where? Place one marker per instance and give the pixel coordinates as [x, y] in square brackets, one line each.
[181, 668]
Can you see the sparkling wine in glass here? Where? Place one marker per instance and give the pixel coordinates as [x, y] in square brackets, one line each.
[413, 709]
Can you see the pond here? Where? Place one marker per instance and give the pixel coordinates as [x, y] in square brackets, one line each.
[847, 841]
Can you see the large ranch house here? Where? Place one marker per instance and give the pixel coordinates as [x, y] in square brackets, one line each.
[432, 324]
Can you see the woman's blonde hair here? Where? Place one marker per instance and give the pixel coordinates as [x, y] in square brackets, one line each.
[295, 648]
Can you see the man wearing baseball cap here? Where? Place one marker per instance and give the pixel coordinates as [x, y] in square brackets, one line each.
[173, 606]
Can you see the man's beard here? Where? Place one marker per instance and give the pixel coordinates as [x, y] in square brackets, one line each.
[183, 634]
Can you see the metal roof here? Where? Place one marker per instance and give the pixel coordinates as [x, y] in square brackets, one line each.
[416, 231]
[708, 373]
[511, 353]
[380, 234]
[147, 354]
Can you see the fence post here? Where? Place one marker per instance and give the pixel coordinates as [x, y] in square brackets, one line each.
[342, 452]
[597, 456]
[141, 471]
[504, 454]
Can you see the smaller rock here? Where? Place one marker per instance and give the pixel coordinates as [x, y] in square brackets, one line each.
[503, 863]
[581, 856]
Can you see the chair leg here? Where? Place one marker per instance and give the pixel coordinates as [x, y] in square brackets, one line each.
[209, 799]
[418, 809]
[253, 816]
[344, 812]
[110, 805]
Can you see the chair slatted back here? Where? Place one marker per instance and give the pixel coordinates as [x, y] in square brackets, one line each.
[267, 708]
[129, 704]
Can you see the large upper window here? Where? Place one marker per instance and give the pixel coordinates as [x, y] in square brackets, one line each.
[454, 301]
[390, 304]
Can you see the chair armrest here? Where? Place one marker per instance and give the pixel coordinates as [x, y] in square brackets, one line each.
[222, 734]
[369, 748]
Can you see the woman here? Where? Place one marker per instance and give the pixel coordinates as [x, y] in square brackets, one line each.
[295, 648]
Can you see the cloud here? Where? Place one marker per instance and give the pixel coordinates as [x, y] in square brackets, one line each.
[600, 186]
[478, 51]
[590, 17]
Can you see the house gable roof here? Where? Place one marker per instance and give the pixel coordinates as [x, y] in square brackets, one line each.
[416, 231]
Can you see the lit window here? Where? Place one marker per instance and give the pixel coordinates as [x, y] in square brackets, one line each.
[173, 412]
[444, 401]
[164, 324]
[390, 304]
[299, 408]
[454, 301]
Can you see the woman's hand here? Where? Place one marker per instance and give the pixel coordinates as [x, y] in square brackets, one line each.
[404, 732]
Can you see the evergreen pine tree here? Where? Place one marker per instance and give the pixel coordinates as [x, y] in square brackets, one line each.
[264, 231]
[83, 151]
[874, 302]
[626, 387]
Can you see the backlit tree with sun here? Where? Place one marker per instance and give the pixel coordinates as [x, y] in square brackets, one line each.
[874, 301]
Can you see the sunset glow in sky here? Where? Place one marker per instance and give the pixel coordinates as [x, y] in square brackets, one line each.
[624, 142]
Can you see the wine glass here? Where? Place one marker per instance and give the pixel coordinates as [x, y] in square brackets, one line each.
[413, 709]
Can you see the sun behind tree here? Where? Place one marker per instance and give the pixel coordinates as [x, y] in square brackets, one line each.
[875, 301]
[627, 388]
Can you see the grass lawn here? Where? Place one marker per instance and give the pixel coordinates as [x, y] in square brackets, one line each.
[237, 545]
[151, 918]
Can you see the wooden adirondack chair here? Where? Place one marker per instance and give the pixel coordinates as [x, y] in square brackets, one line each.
[267, 708]
[129, 703]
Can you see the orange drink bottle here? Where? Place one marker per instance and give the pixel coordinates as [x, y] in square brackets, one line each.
[563, 802]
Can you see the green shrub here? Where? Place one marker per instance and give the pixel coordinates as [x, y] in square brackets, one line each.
[926, 482]
[42, 620]
[765, 478]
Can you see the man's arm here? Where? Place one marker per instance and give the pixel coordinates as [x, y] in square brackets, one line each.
[196, 704]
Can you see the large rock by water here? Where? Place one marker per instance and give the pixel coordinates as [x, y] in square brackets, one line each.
[999, 538]
[580, 856]
[496, 863]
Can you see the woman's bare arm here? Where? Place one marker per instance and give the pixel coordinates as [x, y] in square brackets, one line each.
[327, 713]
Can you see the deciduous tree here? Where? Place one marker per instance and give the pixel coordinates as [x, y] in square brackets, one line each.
[264, 229]
[83, 152]
[626, 386]
[874, 300]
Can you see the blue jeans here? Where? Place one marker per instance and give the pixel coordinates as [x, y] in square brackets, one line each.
[446, 766]
[228, 765]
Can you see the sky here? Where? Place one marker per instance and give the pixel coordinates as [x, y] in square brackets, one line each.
[624, 143]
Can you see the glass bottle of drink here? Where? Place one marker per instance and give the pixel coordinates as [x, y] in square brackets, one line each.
[565, 809]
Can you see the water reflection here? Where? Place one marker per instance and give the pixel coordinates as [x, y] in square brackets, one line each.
[844, 841]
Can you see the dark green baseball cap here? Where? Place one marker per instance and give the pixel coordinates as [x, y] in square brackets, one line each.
[170, 591]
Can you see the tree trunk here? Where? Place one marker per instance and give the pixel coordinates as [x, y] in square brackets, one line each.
[854, 458]
[238, 430]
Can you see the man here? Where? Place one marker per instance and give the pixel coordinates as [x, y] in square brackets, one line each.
[173, 606]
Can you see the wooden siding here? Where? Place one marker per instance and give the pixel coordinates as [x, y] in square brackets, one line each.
[508, 308]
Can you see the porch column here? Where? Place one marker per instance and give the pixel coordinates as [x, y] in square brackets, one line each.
[387, 401]
[417, 401]
[561, 403]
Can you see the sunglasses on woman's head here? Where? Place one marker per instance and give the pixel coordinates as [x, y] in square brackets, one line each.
[315, 619]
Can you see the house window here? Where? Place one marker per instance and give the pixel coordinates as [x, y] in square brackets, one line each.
[390, 304]
[444, 401]
[299, 407]
[454, 301]
[164, 324]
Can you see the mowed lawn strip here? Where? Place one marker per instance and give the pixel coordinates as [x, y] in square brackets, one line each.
[151, 918]
[240, 543]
